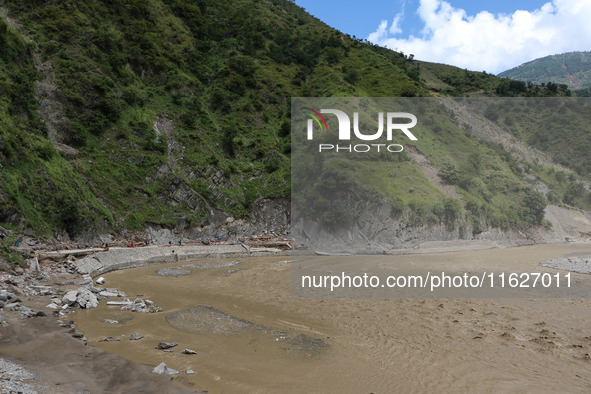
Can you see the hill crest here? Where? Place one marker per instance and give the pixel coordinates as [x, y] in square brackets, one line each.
[572, 69]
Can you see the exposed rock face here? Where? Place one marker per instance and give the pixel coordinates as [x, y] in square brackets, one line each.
[567, 224]
[268, 216]
[377, 230]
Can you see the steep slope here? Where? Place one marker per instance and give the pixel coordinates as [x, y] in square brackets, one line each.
[176, 114]
[179, 106]
[572, 69]
[38, 188]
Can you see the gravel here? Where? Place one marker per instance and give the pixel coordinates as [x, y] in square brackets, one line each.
[16, 379]
[172, 272]
[581, 265]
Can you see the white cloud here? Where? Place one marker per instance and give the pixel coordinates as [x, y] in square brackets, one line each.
[395, 26]
[380, 35]
[491, 42]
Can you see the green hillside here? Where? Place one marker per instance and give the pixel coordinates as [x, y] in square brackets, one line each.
[115, 115]
[572, 69]
[221, 72]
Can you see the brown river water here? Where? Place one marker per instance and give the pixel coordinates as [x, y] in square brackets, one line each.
[253, 336]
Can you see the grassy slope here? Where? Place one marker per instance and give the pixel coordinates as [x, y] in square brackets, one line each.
[38, 186]
[223, 72]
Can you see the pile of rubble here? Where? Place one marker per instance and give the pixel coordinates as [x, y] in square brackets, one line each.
[141, 305]
[64, 295]
[11, 301]
[13, 288]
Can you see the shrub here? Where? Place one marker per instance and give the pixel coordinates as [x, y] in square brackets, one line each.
[574, 190]
[450, 173]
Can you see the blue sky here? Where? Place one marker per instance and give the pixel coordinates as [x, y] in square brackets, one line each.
[478, 35]
[361, 18]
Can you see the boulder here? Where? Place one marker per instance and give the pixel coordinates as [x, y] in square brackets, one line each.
[110, 339]
[188, 351]
[135, 336]
[86, 299]
[166, 345]
[70, 297]
[34, 264]
[12, 305]
[162, 369]
[108, 294]
[25, 311]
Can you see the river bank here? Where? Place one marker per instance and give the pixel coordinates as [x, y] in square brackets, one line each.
[58, 363]
[40, 348]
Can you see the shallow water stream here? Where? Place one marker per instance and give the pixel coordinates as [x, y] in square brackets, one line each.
[251, 335]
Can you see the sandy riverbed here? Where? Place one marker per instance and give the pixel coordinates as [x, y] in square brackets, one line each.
[58, 363]
[251, 335]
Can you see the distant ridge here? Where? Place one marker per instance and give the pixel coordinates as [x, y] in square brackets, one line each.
[572, 69]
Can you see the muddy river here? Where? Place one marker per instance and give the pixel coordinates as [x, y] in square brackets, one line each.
[251, 335]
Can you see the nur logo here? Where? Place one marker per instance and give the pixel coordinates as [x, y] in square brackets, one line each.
[344, 132]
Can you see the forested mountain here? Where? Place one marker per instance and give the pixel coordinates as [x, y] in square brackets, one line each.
[572, 69]
[117, 114]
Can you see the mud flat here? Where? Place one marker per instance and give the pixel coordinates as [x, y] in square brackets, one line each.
[39, 356]
[251, 335]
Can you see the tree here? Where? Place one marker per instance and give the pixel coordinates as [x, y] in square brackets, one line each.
[451, 212]
[3, 28]
[574, 190]
[532, 211]
[352, 76]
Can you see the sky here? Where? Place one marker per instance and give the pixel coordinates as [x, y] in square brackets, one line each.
[488, 35]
